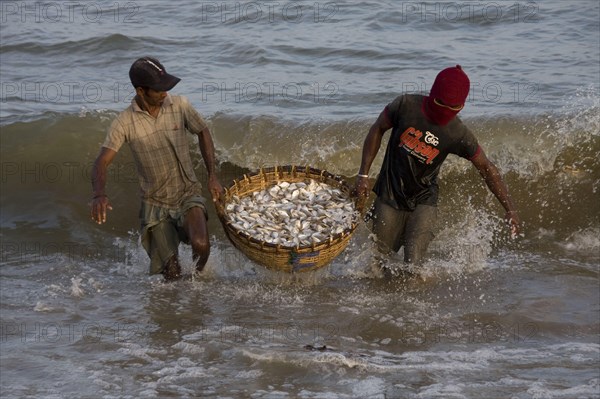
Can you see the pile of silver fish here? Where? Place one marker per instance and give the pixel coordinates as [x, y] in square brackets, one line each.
[293, 214]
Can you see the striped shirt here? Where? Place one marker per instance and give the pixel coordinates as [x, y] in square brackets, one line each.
[161, 149]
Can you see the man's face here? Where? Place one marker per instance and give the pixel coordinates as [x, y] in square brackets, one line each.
[152, 97]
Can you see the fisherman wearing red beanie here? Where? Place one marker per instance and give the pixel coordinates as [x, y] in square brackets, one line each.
[425, 129]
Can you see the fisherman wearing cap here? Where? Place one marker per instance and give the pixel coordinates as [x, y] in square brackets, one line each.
[425, 129]
[156, 127]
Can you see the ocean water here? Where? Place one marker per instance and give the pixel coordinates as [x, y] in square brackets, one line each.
[300, 82]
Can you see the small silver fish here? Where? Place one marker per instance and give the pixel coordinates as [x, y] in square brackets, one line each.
[293, 214]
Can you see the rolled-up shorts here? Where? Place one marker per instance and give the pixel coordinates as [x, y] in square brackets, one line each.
[162, 230]
[395, 228]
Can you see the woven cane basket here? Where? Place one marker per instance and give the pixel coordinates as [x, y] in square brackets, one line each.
[277, 256]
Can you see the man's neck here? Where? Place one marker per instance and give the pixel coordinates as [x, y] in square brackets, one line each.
[144, 106]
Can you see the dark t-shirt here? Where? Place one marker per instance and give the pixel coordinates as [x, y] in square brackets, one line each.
[415, 153]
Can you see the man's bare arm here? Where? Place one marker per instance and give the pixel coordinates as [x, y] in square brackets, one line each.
[207, 148]
[496, 184]
[371, 147]
[100, 201]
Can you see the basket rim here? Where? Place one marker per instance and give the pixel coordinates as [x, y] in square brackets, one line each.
[307, 170]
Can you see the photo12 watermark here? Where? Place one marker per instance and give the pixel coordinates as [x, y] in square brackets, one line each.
[249, 92]
[269, 92]
[96, 92]
[32, 251]
[470, 11]
[60, 333]
[472, 332]
[65, 172]
[487, 92]
[205, 12]
[288, 333]
[56, 333]
[266, 12]
[54, 12]
[67, 92]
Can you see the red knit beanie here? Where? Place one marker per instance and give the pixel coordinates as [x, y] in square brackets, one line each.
[451, 89]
